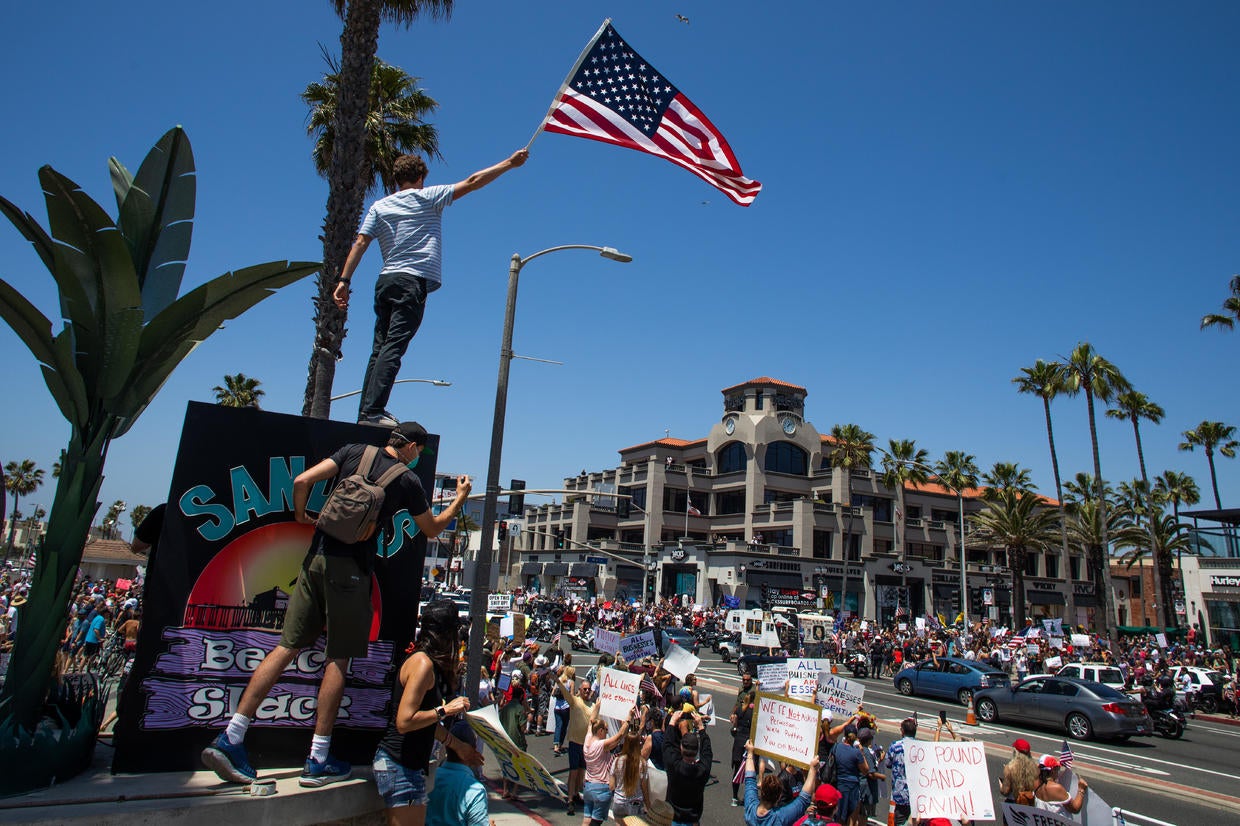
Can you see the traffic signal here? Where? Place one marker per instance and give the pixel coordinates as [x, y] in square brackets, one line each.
[516, 501]
[503, 531]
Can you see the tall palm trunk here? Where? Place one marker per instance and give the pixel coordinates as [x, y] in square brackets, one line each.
[8, 547]
[1065, 556]
[1213, 479]
[1102, 561]
[359, 41]
[1016, 561]
[1164, 610]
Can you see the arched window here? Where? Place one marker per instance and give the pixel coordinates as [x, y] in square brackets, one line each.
[731, 457]
[785, 457]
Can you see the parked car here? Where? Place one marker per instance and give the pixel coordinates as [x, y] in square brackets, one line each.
[1207, 685]
[1083, 709]
[948, 677]
[1103, 673]
[730, 648]
[751, 657]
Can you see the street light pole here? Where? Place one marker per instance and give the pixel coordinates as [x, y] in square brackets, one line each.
[483, 562]
[436, 382]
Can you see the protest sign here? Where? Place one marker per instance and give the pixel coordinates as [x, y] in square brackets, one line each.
[617, 693]
[786, 729]
[803, 677]
[1161, 639]
[499, 603]
[680, 662]
[1014, 813]
[1053, 627]
[606, 642]
[839, 696]
[815, 629]
[772, 676]
[505, 675]
[638, 646]
[707, 708]
[1080, 641]
[493, 630]
[514, 765]
[1053, 662]
[505, 626]
[1095, 811]
[1056, 643]
[1032, 649]
[519, 625]
[948, 780]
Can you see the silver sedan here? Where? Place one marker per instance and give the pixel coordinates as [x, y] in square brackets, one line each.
[1082, 708]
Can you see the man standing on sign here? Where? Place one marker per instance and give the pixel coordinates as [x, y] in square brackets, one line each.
[408, 226]
[333, 589]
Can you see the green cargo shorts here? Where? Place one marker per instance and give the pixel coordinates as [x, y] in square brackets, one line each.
[331, 591]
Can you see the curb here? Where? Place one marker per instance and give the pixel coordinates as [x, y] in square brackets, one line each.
[1215, 718]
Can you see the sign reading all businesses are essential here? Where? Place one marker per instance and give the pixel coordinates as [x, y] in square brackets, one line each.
[638, 646]
[837, 695]
[803, 677]
[218, 585]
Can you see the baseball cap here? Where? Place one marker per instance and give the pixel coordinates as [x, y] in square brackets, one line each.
[827, 795]
[1048, 761]
[1022, 745]
[412, 432]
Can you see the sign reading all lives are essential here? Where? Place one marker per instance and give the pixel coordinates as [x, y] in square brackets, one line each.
[837, 695]
[803, 677]
[637, 646]
[499, 603]
[948, 780]
[786, 730]
[617, 693]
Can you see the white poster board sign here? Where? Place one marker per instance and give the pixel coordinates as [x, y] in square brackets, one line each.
[1053, 662]
[1032, 649]
[617, 693]
[680, 662]
[505, 626]
[948, 780]
[1013, 813]
[839, 696]
[1080, 641]
[1161, 638]
[514, 765]
[803, 677]
[606, 642]
[638, 646]
[786, 729]
[499, 603]
[772, 676]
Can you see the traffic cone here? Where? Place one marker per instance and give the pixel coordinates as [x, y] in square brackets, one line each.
[970, 717]
[891, 812]
[834, 669]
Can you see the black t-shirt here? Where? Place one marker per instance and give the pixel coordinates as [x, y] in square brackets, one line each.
[151, 526]
[405, 493]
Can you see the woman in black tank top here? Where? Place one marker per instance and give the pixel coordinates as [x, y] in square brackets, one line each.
[421, 713]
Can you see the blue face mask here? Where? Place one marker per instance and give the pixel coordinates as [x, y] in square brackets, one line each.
[414, 463]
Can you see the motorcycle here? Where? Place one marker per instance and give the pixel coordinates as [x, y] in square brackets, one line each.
[1169, 721]
[858, 664]
[580, 640]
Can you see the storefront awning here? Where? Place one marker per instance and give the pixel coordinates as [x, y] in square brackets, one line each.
[1087, 601]
[531, 569]
[555, 569]
[586, 569]
[777, 579]
[1045, 598]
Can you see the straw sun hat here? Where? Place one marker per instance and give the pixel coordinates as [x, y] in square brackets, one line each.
[658, 813]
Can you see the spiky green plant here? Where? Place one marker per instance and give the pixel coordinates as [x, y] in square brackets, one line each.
[125, 331]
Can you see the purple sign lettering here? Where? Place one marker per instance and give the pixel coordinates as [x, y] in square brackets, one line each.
[202, 653]
[172, 704]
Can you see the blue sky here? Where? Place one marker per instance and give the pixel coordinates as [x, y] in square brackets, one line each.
[951, 191]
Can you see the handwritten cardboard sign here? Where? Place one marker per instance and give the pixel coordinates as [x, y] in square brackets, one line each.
[515, 765]
[499, 603]
[680, 662]
[617, 693]
[638, 646]
[606, 642]
[1080, 641]
[948, 780]
[839, 696]
[803, 677]
[786, 730]
[772, 676]
[519, 624]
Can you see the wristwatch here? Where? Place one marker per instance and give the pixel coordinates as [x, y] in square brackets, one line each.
[439, 710]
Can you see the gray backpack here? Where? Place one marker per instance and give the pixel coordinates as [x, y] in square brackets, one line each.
[351, 513]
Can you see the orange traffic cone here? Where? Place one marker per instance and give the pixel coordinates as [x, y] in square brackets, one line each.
[834, 669]
[970, 717]
[891, 813]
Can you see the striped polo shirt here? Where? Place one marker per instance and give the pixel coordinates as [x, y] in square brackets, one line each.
[408, 227]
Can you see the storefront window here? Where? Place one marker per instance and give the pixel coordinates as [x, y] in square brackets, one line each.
[822, 544]
[1224, 622]
[729, 501]
[882, 507]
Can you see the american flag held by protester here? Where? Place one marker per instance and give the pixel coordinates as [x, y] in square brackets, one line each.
[614, 96]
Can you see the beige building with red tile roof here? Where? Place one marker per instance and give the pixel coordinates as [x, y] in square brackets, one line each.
[754, 511]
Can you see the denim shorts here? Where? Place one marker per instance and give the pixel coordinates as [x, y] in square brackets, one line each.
[597, 798]
[398, 786]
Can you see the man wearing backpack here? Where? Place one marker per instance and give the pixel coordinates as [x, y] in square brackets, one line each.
[333, 589]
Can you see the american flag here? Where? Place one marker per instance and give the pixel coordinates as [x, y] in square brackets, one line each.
[555, 639]
[614, 96]
[1065, 755]
[692, 510]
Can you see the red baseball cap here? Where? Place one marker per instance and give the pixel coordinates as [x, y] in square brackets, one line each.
[827, 795]
[1022, 745]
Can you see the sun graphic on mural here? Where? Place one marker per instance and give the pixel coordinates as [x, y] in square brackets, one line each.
[248, 583]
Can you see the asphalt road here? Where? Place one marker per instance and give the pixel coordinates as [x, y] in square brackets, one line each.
[1187, 782]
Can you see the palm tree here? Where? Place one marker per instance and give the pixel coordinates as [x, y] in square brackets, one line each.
[125, 331]
[853, 449]
[347, 186]
[958, 470]
[1045, 380]
[20, 479]
[903, 463]
[111, 522]
[1212, 436]
[139, 513]
[1004, 476]
[1231, 308]
[1164, 539]
[1086, 371]
[1134, 406]
[395, 123]
[1014, 520]
[1177, 488]
[1080, 488]
[238, 391]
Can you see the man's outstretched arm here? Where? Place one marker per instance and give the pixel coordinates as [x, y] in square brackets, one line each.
[484, 176]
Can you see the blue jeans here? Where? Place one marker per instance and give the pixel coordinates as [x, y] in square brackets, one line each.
[398, 786]
[561, 726]
[400, 301]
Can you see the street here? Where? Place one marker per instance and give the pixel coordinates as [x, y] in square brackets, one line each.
[1182, 782]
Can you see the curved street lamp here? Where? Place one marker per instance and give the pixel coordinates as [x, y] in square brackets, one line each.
[436, 382]
[490, 507]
